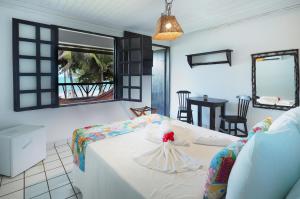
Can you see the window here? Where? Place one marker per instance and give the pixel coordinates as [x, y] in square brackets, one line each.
[85, 68]
[57, 66]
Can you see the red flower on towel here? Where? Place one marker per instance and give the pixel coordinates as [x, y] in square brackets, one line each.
[168, 137]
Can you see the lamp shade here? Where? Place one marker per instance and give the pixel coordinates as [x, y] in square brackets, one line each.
[167, 28]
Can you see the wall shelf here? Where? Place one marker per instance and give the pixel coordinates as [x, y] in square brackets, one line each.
[227, 53]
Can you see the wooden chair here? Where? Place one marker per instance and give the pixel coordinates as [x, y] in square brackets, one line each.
[240, 118]
[182, 108]
[142, 111]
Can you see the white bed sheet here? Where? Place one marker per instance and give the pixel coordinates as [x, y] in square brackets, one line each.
[112, 173]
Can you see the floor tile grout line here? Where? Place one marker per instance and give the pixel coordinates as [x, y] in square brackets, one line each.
[66, 172]
[31, 175]
[41, 194]
[49, 190]
[45, 181]
[51, 161]
[71, 196]
[68, 143]
[43, 164]
[61, 144]
[24, 185]
[66, 156]
[10, 193]
[13, 181]
[46, 178]
[53, 168]
[63, 151]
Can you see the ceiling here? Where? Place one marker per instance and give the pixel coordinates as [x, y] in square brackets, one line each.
[141, 15]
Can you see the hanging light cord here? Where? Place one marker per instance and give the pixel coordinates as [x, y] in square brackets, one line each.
[168, 7]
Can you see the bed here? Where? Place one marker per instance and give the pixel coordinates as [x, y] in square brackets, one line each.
[111, 172]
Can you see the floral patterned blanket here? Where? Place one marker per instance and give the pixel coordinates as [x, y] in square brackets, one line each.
[84, 136]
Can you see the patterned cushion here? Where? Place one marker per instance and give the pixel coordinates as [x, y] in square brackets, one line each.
[219, 170]
[223, 161]
[260, 127]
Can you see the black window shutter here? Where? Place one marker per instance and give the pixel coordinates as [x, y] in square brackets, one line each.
[130, 68]
[35, 67]
[147, 51]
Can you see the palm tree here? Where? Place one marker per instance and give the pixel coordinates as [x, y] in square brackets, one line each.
[87, 67]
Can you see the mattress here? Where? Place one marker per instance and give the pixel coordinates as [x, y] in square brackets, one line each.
[112, 173]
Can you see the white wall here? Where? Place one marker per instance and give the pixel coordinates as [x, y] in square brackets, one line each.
[275, 32]
[60, 122]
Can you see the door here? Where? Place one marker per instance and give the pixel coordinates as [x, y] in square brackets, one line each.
[160, 80]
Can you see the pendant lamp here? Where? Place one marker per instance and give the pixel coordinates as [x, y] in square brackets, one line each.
[167, 27]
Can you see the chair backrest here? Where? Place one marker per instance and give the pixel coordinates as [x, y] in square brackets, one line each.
[182, 96]
[243, 105]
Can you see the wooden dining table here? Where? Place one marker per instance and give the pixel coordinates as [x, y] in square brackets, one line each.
[211, 103]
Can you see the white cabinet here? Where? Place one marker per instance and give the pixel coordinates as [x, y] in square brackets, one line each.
[21, 147]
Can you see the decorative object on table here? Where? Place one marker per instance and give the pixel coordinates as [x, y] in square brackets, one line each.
[21, 147]
[183, 95]
[275, 79]
[205, 97]
[212, 103]
[196, 59]
[142, 111]
[167, 27]
[240, 118]
[168, 158]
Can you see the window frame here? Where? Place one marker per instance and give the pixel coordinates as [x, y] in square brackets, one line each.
[77, 48]
[54, 66]
[115, 64]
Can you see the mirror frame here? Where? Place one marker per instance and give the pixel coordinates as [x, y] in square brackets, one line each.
[293, 52]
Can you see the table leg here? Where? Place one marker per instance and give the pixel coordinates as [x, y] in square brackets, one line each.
[199, 115]
[222, 114]
[212, 118]
[189, 112]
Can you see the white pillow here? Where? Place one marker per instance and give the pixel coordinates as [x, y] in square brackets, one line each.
[289, 118]
[267, 167]
[214, 139]
[295, 192]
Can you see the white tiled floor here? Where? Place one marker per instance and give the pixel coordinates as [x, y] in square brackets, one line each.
[49, 179]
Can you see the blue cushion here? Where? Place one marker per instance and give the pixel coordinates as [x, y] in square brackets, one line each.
[267, 167]
[295, 192]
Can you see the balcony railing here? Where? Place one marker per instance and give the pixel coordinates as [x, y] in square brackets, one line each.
[82, 92]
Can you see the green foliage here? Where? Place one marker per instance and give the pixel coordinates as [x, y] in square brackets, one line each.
[87, 67]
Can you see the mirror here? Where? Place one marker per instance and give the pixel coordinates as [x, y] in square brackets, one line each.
[275, 80]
